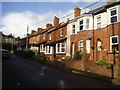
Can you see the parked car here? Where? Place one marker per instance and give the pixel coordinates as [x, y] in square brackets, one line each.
[5, 53]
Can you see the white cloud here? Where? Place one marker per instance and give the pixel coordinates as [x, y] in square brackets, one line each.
[16, 23]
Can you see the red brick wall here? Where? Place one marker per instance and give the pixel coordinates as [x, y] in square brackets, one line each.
[103, 34]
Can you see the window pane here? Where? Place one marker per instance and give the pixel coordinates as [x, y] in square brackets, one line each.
[87, 20]
[81, 27]
[98, 25]
[81, 22]
[114, 40]
[113, 19]
[63, 45]
[99, 19]
[81, 44]
[73, 26]
[49, 49]
[113, 12]
[62, 49]
[58, 47]
[81, 49]
[73, 31]
[115, 47]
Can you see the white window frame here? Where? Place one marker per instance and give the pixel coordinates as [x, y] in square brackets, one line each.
[50, 36]
[88, 48]
[42, 48]
[113, 43]
[48, 50]
[61, 32]
[98, 22]
[80, 46]
[44, 36]
[73, 29]
[113, 15]
[81, 25]
[60, 48]
[99, 44]
[87, 23]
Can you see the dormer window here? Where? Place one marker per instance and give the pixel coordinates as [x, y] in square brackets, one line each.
[113, 16]
[73, 29]
[61, 32]
[81, 25]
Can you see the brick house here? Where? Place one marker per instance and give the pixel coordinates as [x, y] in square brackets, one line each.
[56, 40]
[95, 32]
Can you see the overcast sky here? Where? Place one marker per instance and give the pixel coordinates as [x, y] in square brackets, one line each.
[17, 15]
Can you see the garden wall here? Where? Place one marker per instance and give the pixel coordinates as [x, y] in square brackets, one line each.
[91, 66]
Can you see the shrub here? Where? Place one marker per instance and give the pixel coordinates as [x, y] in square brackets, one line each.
[68, 58]
[41, 58]
[101, 62]
[109, 66]
[77, 55]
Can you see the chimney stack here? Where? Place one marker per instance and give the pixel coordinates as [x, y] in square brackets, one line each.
[39, 29]
[111, 1]
[77, 12]
[33, 31]
[56, 21]
[49, 25]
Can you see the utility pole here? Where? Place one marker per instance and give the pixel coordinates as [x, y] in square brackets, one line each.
[27, 38]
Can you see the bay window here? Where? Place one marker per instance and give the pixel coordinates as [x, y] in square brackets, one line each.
[48, 50]
[60, 47]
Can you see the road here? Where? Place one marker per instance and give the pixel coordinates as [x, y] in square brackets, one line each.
[18, 72]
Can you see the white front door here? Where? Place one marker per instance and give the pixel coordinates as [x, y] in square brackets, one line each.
[87, 46]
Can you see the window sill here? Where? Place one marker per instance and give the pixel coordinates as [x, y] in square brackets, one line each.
[48, 53]
[113, 52]
[61, 53]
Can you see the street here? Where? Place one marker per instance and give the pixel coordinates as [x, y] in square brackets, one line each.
[18, 72]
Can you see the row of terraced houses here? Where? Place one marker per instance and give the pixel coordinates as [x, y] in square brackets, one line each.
[94, 32]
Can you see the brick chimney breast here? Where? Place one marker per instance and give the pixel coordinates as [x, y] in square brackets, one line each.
[56, 21]
[77, 12]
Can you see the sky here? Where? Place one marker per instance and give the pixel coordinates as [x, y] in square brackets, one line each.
[17, 15]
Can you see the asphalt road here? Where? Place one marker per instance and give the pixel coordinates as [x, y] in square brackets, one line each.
[21, 73]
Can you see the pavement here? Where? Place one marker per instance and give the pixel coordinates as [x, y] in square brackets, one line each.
[18, 72]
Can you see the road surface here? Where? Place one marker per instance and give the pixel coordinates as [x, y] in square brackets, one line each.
[18, 72]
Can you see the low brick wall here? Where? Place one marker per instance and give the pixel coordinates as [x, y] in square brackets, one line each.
[94, 68]
[75, 64]
[88, 65]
